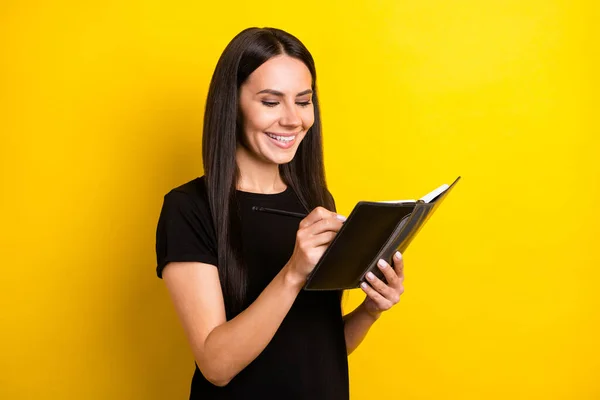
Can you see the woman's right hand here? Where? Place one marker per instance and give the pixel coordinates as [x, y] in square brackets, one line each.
[315, 233]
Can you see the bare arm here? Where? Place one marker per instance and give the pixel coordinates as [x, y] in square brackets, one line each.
[380, 297]
[223, 348]
[356, 326]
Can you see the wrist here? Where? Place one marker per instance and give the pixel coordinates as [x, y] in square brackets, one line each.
[292, 279]
[370, 313]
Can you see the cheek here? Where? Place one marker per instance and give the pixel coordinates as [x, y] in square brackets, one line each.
[259, 119]
[308, 118]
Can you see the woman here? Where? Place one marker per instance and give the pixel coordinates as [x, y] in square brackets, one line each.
[235, 276]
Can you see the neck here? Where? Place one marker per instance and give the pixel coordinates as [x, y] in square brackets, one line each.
[257, 176]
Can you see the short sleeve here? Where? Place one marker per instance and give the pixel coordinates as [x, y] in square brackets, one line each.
[184, 232]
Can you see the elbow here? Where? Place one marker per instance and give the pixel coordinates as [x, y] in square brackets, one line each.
[215, 374]
[220, 381]
[214, 365]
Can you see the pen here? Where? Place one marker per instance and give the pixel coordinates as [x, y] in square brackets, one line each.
[278, 212]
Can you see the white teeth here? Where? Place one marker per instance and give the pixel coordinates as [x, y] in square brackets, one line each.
[284, 139]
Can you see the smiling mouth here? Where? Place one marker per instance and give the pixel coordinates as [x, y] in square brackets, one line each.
[282, 139]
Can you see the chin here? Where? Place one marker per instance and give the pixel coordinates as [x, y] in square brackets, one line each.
[283, 159]
[280, 156]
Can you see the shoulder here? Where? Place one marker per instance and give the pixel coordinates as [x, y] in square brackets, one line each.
[192, 192]
[196, 189]
[190, 198]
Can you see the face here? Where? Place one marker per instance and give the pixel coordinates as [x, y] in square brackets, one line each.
[276, 109]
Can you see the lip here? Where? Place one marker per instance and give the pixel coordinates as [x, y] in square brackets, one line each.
[284, 134]
[279, 144]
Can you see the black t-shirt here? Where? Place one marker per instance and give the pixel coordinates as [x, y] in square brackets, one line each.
[306, 359]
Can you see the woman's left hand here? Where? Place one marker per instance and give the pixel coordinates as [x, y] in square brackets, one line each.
[382, 297]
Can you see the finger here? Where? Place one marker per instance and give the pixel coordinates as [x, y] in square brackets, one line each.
[383, 289]
[325, 225]
[381, 302]
[399, 265]
[388, 272]
[323, 238]
[315, 215]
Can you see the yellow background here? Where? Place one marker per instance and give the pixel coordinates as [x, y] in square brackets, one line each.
[101, 109]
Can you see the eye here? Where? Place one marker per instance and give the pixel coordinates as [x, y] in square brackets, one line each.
[304, 103]
[270, 103]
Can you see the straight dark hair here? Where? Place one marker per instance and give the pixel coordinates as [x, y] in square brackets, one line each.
[222, 130]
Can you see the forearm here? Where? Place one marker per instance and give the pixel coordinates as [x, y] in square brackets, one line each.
[231, 346]
[356, 326]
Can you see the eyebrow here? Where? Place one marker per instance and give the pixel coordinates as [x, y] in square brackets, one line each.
[278, 93]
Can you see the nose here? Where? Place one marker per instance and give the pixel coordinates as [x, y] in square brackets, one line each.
[290, 116]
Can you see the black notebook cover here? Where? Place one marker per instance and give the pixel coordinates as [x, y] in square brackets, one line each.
[372, 231]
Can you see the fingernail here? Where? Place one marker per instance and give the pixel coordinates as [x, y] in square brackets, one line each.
[363, 285]
[398, 256]
[382, 264]
[340, 217]
[370, 276]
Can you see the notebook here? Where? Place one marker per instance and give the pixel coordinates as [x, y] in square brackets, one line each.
[373, 231]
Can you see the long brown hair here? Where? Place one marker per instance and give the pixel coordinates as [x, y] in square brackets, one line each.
[222, 130]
